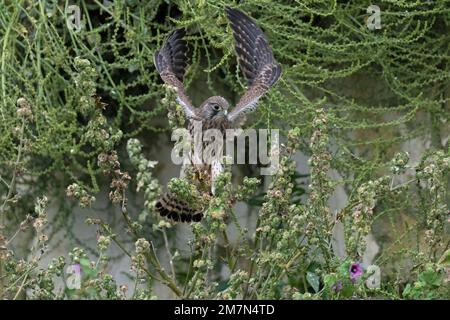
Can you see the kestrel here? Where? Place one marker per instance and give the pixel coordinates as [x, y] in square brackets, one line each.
[259, 68]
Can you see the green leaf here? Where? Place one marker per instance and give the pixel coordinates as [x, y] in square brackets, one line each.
[431, 278]
[86, 268]
[85, 263]
[313, 280]
[223, 285]
[343, 269]
[329, 280]
[445, 259]
[407, 290]
[347, 290]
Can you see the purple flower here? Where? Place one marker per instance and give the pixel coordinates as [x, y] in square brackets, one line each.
[76, 268]
[355, 271]
[337, 286]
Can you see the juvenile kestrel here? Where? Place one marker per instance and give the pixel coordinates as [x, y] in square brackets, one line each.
[258, 66]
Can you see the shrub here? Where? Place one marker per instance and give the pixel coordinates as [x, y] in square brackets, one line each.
[369, 108]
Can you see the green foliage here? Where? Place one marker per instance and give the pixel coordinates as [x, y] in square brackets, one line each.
[369, 105]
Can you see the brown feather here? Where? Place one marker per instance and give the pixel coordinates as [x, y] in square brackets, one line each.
[177, 210]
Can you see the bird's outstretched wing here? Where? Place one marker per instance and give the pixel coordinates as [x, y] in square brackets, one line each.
[171, 62]
[255, 59]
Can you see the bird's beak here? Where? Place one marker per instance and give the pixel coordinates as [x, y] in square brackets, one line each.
[225, 112]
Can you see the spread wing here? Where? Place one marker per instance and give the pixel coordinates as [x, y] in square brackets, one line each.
[255, 59]
[171, 62]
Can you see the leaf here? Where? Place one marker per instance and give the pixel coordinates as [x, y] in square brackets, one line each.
[347, 290]
[431, 278]
[86, 267]
[85, 263]
[329, 280]
[223, 285]
[445, 259]
[313, 280]
[407, 290]
[343, 269]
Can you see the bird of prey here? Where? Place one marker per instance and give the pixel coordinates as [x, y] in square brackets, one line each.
[260, 69]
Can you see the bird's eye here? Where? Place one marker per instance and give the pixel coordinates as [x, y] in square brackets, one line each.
[216, 107]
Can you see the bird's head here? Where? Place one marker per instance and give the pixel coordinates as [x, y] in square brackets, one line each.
[214, 108]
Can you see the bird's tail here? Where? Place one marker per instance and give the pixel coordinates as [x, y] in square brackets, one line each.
[177, 210]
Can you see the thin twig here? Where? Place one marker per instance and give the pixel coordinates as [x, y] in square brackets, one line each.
[166, 242]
